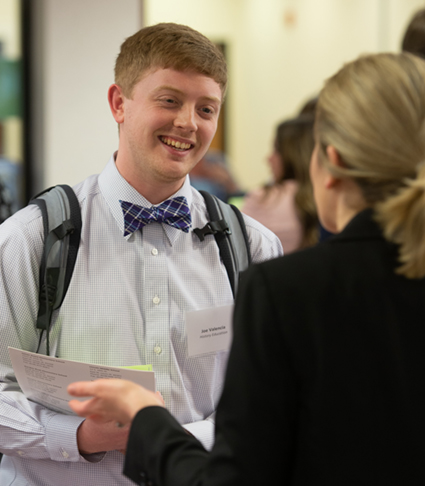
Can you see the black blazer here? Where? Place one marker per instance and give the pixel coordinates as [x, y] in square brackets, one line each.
[325, 381]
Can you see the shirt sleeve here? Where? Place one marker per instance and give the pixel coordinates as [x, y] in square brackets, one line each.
[264, 244]
[26, 429]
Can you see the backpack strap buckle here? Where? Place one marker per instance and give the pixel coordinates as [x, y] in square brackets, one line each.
[212, 228]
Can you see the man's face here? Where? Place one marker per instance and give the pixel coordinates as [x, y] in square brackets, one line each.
[167, 126]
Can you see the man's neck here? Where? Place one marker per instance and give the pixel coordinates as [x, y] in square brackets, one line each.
[154, 191]
[155, 194]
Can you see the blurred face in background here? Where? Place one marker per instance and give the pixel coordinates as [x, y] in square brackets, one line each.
[276, 164]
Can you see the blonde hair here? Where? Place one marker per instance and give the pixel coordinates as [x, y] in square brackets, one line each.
[168, 45]
[373, 112]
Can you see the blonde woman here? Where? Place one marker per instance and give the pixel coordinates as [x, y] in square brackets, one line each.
[325, 382]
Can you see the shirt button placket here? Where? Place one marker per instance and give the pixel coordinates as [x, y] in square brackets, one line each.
[156, 305]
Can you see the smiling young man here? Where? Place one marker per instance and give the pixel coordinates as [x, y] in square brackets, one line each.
[135, 283]
[166, 126]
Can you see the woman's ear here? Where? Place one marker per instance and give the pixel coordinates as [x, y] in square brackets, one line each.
[333, 156]
[336, 161]
[116, 102]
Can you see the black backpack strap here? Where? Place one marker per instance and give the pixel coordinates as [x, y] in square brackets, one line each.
[62, 230]
[228, 227]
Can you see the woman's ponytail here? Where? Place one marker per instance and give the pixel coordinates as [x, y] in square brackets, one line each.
[402, 218]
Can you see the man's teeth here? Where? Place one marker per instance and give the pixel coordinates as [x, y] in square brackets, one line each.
[176, 144]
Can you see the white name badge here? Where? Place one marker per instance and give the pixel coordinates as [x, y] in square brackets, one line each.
[209, 330]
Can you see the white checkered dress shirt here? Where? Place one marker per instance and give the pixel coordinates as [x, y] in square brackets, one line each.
[125, 306]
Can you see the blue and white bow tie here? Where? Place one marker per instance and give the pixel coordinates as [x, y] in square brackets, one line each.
[174, 212]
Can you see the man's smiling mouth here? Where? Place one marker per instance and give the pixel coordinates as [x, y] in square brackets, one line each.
[176, 144]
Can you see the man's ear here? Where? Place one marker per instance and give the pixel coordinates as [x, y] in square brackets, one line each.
[116, 102]
[335, 160]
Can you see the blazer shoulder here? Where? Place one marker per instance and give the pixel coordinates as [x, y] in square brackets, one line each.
[301, 263]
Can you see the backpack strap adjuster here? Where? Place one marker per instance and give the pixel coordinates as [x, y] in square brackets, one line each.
[212, 228]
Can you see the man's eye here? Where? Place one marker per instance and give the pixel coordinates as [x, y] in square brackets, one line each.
[168, 101]
[208, 111]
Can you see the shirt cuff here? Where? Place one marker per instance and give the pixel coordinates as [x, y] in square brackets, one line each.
[61, 437]
[203, 431]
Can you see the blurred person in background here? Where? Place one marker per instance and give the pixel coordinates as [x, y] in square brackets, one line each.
[309, 107]
[10, 180]
[414, 37]
[212, 173]
[286, 205]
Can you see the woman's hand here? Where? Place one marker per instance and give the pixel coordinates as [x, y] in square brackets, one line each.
[112, 400]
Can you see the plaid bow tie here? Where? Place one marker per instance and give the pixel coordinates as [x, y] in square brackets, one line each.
[174, 212]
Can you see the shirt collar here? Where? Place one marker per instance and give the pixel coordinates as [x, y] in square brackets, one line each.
[115, 188]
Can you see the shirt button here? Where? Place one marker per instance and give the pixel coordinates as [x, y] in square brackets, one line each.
[156, 300]
[65, 454]
[21, 453]
[154, 252]
[157, 349]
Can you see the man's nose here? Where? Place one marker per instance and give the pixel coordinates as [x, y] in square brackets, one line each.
[186, 119]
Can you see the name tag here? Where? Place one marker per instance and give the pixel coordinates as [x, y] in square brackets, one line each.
[209, 330]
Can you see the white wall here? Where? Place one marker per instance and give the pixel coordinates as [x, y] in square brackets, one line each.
[9, 29]
[274, 67]
[77, 44]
